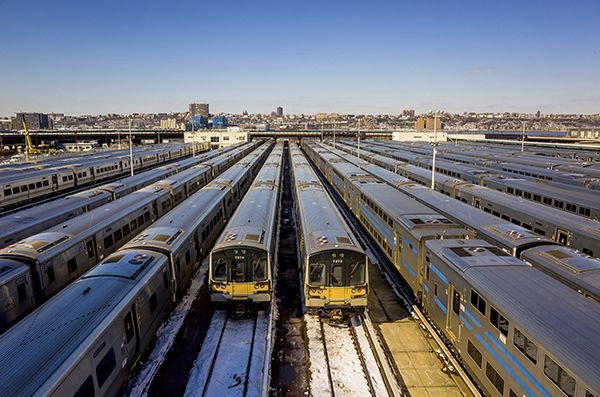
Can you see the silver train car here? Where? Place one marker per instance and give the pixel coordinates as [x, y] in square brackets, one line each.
[517, 330]
[26, 186]
[86, 339]
[572, 267]
[21, 224]
[334, 265]
[241, 262]
[59, 255]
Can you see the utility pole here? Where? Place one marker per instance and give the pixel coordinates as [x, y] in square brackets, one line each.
[523, 138]
[193, 138]
[334, 127]
[434, 151]
[358, 137]
[130, 149]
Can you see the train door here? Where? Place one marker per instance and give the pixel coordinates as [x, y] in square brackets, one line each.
[562, 237]
[338, 292]
[476, 202]
[132, 336]
[453, 313]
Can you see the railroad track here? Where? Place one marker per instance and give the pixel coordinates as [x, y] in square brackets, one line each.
[235, 357]
[403, 293]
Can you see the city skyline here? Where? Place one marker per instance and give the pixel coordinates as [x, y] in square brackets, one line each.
[344, 57]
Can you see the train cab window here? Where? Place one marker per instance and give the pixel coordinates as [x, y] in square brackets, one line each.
[527, 347]
[317, 273]
[86, 389]
[72, 265]
[22, 292]
[559, 376]
[474, 353]
[478, 302]
[238, 271]
[128, 325]
[153, 303]
[108, 241]
[105, 367]
[495, 378]
[499, 321]
[259, 269]
[50, 273]
[220, 270]
[357, 272]
[337, 276]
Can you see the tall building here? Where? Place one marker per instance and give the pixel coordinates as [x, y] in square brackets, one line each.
[35, 121]
[430, 121]
[219, 121]
[199, 109]
[408, 113]
[279, 111]
[420, 124]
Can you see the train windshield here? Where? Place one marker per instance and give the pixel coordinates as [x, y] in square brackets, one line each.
[337, 269]
[239, 265]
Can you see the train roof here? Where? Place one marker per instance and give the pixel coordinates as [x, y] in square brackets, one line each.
[41, 347]
[9, 269]
[549, 312]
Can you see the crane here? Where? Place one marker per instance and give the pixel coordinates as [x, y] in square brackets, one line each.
[29, 149]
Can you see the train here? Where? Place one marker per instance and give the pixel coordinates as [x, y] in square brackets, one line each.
[334, 265]
[563, 227]
[40, 265]
[242, 259]
[19, 224]
[86, 339]
[517, 330]
[17, 188]
[573, 268]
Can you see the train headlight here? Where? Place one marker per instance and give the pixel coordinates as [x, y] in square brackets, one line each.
[359, 291]
[315, 291]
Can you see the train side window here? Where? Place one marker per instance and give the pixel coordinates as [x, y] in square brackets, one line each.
[51, 275]
[588, 252]
[559, 376]
[22, 292]
[118, 234]
[38, 185]
[558, 204]
[105, 367]
[24, 188]
[474, 353]
[133, 224]
[153, 303]
[511, 393]
[527, 347]
[72, 265]
[499, 321]
[108, 241]
[187, 257]
[456, 302]
[86, 389]
[495, 378]
[478, 302]
[15, 190]
[547, 200]
[128, 324]
[140, 220]
[7, 192]
[539, 231]
[32, 186]
[125, 229]
[45, 183]
[571, 207]
[506, 217]
[147, 216]
[589, 394]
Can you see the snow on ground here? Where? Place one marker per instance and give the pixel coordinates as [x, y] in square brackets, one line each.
[369, 358]
[261, 356]
[319, 371]
[165, 336]
[202, 365]
[346, 368]
[230, 369]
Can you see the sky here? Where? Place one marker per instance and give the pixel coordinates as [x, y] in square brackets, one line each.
[360, 57]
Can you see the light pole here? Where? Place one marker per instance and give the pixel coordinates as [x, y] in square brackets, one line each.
[436, 114]
[358, 137]
[119, 137]
[193, 138]
[334, 127]
[523, 138]
[130, 149]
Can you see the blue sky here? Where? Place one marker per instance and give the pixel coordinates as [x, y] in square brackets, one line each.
[83, 57]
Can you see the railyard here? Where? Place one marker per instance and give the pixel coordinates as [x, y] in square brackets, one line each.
[304, 268]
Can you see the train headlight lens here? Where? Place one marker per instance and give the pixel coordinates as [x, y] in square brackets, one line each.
[315, 291]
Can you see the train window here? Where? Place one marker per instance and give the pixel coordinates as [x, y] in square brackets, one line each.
[516, 222]
[259, 269]
[32, 186]
[64, 178]
[24, 188]
[220, 270]
[178, 265]
[506, 217]
[45, 183]
[118, 235]
[86, 389]
[571, 207]
[589, 394]
[528, 227]
[51, 275]
[584, 211]
[474, 353]
[559, 376]
[495, 378]
[478, 302]
[511, 393]
[187, 257]
[15, 190]
[133, 224]
[357, 272]
[128, 324]
[105, 367]
[238, 271]
[337, 276]
[317, 273]
[147, 216]
[125, 229]
[539, 231]
[456, 302]
[547, 200]
[537, 197]
[518, 192]
[527, 347]
[153, 303]
[7, 192]
[558, 204]
[527, 195]
[495, 213]
[588, 252]
[499, 321]
[72, 265]
[38, 185]
[165, 280]
[489, 211]
[22, 292]
[140, 220]
[70, 177]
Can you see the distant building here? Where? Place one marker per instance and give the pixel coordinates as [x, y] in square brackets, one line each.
[168, 124]
[5, 124]
[420, 124]
[217, 139]
[219, 121]
[200, 109]
[35, 121]
[279, 111]
[408, 113]
[419, 136]
[196, 123]
[430, 121]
